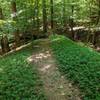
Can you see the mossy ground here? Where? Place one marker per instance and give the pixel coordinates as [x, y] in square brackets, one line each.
[78, 63]
[18, 78]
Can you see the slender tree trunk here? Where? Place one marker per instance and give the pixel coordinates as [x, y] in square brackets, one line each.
[1, 14]
[2, 45]
[98, 19]
[5, 44]
[4, 40]
[72, 23]
[44, 16]
[37, 14]
[14, 15]
[64, 10]
[94, 39]
[52, 13]
[1, 41]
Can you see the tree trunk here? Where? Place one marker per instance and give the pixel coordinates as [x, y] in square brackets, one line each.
[72, 24]
[37, 14]
[2, 45]
[5, 44]
[17, 38]
[44, 16]
[1, 14]
[98, 18]
[52, 13]
[64, 10]
[4, 40]
[14, 16]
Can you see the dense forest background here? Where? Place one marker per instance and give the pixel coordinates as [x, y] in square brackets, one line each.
[48, 49]
[24, 20]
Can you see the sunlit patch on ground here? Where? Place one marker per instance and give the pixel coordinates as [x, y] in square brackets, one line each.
[45, 68]
[1, 70]
[38, 57]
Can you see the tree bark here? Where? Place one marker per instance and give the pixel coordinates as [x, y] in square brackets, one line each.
[98, 18]
[52, 13]
[5, 44]
[72, 23]
[37, 14]
[1, 14]
[4, 40]
[14, 16]
[44, 16]
[64, 10]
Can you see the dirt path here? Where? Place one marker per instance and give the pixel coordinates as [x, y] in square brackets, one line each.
[55, 85]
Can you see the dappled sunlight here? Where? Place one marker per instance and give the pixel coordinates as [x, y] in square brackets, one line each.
[21, 47]
[17, 49]
[41, 58]
[87, 46]
[98, 48]
[29, 59]
[58, 39]
[1, 70]
[38, 57]
[77, 28]
[45, 67]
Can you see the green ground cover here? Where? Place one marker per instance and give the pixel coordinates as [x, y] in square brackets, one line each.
[19, 79]
[78, 63]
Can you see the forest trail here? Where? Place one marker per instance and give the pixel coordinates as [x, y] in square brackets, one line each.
[56, 87]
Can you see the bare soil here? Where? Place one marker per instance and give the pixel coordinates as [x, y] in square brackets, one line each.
[55, 86]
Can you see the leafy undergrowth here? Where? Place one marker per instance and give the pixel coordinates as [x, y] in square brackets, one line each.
[18, 79]
[80, 64]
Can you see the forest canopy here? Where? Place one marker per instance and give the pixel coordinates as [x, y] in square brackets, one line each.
[21, 19]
